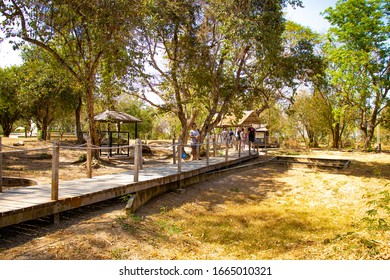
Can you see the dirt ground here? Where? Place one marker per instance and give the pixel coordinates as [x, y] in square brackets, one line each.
[36, 163]
[107, 234]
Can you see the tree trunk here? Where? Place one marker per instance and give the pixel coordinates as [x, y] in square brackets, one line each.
[79, 131]
[44, 132]
[364, 128]
[45, 122]
[91, 118]
[6, 121]
[372, 123]
[336, 136]
[313, 143]
[369, 136]
[7, 129]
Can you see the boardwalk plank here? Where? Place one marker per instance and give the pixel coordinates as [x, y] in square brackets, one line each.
[72, 194]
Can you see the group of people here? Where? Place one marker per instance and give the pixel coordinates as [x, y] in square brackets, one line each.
[240, 136]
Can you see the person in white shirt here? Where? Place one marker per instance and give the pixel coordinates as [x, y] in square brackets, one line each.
[194, 137]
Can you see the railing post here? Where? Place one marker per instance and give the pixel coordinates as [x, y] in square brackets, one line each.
[141, 166]
[207, 149]
[227, 150]
[197, 150]
[239, 148]
[55, 172]
[174, 151]
[180, 152]
[136, 159]
[1, 166]
[214, 146]
[89, 158]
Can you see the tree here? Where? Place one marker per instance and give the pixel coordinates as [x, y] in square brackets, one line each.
[9, 98]
[386, 118]
[359, 50]
[140, 110]
[310, 113]
[302, 63]
[78, 34]
[339, 115]
[47, 93]
[299, 72]
[202, 56]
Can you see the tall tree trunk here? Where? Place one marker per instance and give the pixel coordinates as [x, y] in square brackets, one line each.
[370, 134]
[336, 136]
[44, 123]
[44, 130]
[79, 131]
[91, 118]
[364, 129]
[313, 143]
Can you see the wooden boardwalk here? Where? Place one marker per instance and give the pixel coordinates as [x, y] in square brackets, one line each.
[28, 203]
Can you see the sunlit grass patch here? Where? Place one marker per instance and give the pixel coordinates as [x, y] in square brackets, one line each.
[256, 230]
[293, 213]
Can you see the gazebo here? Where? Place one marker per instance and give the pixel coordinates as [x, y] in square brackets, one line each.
[110, 116]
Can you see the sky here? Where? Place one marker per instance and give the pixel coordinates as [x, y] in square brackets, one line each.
[308, 16]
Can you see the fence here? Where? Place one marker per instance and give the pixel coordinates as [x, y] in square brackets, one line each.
[177, 149]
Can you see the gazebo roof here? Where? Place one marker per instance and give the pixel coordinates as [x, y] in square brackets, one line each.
[262, 128]
[116, 117]
[248, 118]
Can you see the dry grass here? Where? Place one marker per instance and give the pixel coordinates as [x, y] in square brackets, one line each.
[36, 163]
[269, 212]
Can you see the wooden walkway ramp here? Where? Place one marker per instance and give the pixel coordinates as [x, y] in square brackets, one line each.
[29, 203]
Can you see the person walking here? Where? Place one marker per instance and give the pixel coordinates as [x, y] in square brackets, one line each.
[194, 138]
[238, 138]
[243, 139]
[251, 136]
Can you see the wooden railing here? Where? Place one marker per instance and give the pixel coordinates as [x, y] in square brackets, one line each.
[177, 149]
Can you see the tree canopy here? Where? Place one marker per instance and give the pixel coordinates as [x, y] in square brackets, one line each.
[359, 55]
[10, 110]
[78, 34]
[205, 59]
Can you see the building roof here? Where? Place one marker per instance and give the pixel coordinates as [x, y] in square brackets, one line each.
[262, 128]
[116, 117]
[248, 118]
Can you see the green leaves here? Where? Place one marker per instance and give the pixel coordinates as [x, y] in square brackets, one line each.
[10, 110]
[49, 94]
[359, 53]
[378, 217]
